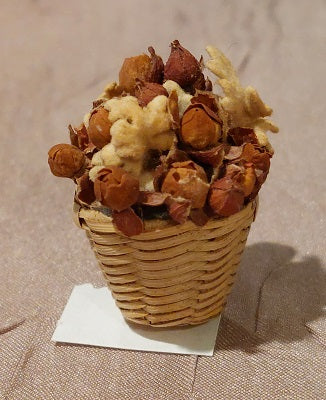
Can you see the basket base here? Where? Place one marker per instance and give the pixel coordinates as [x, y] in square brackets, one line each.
[175, 276]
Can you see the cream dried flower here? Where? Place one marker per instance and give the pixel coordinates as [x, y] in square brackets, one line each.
[244, 105]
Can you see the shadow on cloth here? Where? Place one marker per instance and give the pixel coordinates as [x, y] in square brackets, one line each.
[276, 298]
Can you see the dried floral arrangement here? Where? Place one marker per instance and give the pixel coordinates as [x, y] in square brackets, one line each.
[160, 144]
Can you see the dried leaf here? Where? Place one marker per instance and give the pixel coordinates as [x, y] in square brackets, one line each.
[173, 109]
[128, 222]
[111, 90]
[199, 84]
[226, 197]
[199, 217]
[208, 111]
[208, 85]
[90, 150]
[233, 152]
[153, 199]
[175, 154]
[85, 190]
[79, 136]
[257, 156]
[157, 66]
[73, 136]
[242, 135]
[178, 210]
[98, 102]
[213, 156]
[210, 100]
[159, 175]
[147, 91]
[152, 159]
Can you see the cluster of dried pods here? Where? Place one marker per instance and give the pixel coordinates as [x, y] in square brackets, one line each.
[211, 170]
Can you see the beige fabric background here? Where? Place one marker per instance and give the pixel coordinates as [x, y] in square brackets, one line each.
[55, 58]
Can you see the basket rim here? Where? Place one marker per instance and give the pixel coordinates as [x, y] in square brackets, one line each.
[84, 216]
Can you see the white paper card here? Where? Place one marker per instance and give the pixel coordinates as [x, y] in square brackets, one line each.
[92, 318]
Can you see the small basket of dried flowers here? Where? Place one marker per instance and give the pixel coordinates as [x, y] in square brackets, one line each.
[167, 175]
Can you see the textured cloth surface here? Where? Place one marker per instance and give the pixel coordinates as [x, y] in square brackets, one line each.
[55, 59]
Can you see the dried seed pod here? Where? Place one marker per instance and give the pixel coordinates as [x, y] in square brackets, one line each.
[133, 68]
[225, 197]
[66, 160]
[182, 67]
[115, 188]
[188, 181]
[200, 127]
[257, 156]
[142, 67]
[99, 127]
[244, 175]
[147, 91]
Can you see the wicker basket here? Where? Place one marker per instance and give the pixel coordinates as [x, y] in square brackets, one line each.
[174, 275]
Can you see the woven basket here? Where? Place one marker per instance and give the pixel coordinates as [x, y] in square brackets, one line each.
[174, 275]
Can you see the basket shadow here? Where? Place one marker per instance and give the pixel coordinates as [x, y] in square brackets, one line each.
[276, 297]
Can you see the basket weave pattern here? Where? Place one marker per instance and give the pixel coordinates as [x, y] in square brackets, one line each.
[178, 275]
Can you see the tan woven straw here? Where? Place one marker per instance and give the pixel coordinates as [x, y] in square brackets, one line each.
[174, 275]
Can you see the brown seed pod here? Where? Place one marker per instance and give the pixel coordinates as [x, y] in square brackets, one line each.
[99, 127]
[66, 160]
[244, 175]
[142, 67]
[257, 156]
[147, 91]
[182, 67]
[133, 68]
[200, 127]
[188, 181]
[225, 197]
[115, 188]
